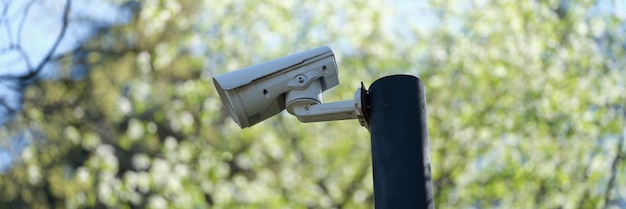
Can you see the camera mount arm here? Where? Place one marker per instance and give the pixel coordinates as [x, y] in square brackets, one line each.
[311, 110]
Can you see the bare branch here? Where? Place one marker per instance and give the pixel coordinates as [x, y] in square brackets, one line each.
[47, 58]
[33, 72]
[5, 19]
[616, 161]
[13, 86]
[355, 183]
[5, 10]
[6, 105]
[104, 51]
[585, 198]
[16, 45]
[22, 52]
[19, 29]
[5, 50]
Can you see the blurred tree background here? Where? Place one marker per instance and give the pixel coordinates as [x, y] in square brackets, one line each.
[526, 107]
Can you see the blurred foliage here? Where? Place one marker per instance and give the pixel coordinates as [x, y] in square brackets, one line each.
[526, 104]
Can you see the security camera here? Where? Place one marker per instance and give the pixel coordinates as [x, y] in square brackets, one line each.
[295, 82]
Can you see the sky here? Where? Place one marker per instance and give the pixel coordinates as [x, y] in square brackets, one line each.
[35, 26]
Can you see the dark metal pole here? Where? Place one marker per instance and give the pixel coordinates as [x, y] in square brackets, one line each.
[400, 156]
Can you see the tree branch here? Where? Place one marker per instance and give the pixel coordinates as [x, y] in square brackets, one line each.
[355, 184]
[6, 105]
[33, 73]
[616, 161]
[584, 201]
[19, 29]
[5, 19]
[103, 51]
[22, 52]
[5, 50]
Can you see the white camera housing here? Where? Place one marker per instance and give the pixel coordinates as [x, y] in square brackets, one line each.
[294, 82]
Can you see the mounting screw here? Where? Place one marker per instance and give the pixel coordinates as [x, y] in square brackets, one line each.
[300, 79]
